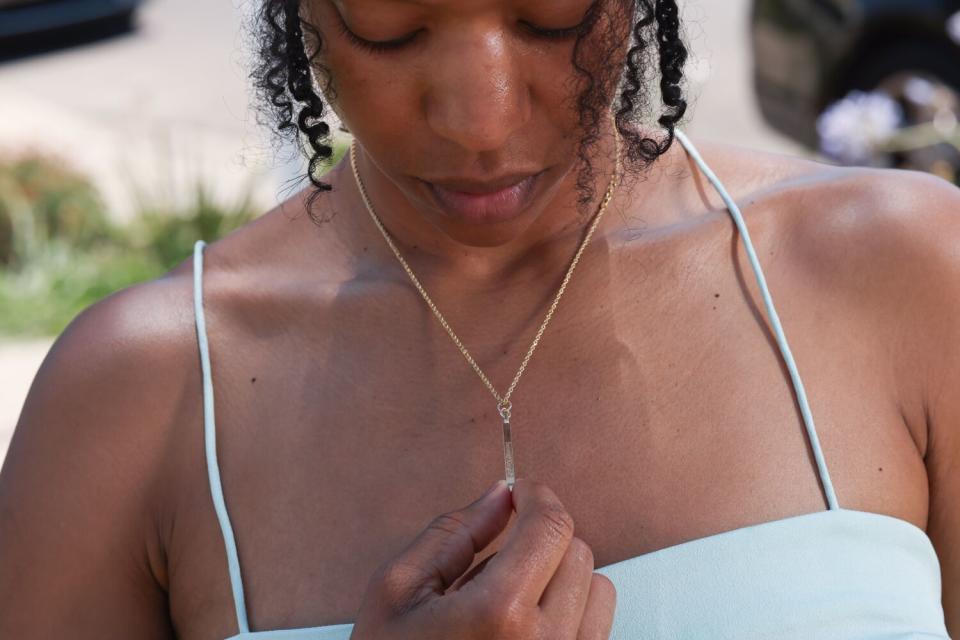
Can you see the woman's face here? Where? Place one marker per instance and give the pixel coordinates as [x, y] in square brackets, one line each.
[466, 108]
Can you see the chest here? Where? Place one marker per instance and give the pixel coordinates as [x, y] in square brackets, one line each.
[658, 409]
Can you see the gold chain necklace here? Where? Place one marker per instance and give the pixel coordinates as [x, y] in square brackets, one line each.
[504, 405]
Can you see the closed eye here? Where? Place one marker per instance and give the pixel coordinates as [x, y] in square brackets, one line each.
[555, 34]
[376, 46]
[385, 46]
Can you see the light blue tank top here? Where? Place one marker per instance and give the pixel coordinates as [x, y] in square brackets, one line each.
[838, 574]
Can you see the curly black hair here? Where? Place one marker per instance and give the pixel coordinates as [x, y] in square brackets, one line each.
[288, 97]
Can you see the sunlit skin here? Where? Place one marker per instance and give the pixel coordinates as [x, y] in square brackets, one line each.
[475, 95]
[656, 408]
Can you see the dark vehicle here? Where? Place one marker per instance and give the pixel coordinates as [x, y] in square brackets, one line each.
[812, 54]
[35, 25]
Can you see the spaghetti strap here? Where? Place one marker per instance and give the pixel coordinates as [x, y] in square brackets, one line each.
[210, 442]
[773, 317]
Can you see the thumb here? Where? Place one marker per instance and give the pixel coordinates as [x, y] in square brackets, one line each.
[440, 554]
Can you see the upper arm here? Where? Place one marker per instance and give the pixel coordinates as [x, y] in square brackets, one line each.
[934, 238]
[887, 245]
[80, 553]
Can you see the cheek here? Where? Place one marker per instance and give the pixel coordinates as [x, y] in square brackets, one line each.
[381, 98]
[378, 107]
[554, 87]
[373, 97]
[364, 92]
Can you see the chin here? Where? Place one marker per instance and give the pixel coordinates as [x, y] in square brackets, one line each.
[485, 235]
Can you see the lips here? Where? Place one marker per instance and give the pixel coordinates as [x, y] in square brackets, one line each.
[485, 202]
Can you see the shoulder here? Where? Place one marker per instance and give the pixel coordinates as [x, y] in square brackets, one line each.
[885, 244]
[109, 387]
[123, 375]
[82, 480]
[874, 222]
[115, 344]
[135, 346]
[914, 238]
[135, 351]
[881, 246]
[111, 419]
[870, 232]
[877, 249]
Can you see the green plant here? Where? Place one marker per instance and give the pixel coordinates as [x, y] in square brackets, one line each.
[59, 252]
[42, 297]
[43, 201]
[168, 234]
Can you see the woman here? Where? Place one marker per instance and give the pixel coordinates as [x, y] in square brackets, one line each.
[672, 480]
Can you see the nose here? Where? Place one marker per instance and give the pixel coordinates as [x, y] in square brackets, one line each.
[477, 94]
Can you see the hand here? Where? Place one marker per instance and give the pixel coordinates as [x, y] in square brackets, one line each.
[539, 585]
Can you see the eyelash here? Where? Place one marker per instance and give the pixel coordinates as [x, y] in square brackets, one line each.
[375, 47]
[554, 34]
[388, 46]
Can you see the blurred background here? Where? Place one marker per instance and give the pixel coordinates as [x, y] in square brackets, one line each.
[127, 129]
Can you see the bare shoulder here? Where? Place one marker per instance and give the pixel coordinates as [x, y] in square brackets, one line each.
[133, 354]
[883, 241]
[872, 233]
[901, 235]
[880, 244]
[855, 225]
[110, 383]
[79, 488]
[884, 246]
[111, 364]
[85, 484]
[895, 240]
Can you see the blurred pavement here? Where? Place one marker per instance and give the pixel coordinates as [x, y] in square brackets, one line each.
[149, 112]
[19, 362]
[156, 109]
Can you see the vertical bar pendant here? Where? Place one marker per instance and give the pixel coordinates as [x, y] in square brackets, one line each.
[511, 474]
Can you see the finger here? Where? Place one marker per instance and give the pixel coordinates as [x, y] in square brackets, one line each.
[533, 549]
[565, 598]
[446, 548]
[471, 574]
[597, 621]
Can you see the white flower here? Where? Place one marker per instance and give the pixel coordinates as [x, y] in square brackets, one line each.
[953, 27]
[851, 128]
